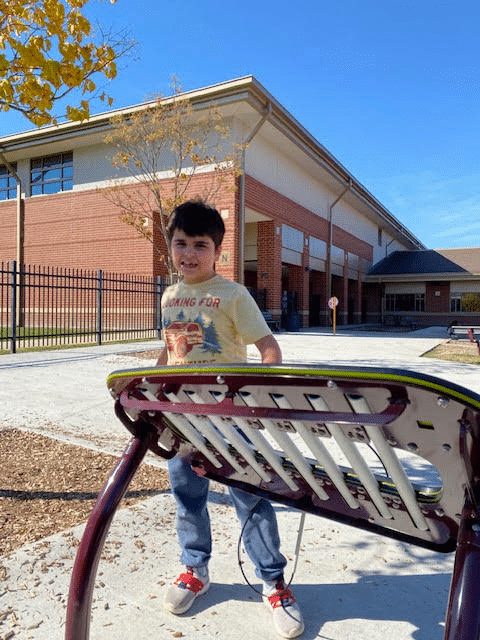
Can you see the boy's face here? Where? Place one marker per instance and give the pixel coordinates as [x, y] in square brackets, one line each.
[194, 256]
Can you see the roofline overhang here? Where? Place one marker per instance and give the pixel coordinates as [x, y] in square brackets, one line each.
[421, 277]
[246, 89]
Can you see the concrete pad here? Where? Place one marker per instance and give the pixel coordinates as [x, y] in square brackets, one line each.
[350, 584]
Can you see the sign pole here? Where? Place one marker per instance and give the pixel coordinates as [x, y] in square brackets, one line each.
[332, 303]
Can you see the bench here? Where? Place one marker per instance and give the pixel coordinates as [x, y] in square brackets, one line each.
[274, 325]
[472, 333]
[466, 333]
[389, 451]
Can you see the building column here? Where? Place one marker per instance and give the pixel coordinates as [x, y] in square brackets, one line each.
[358, 305]
[304, 296]
[269, 265]
[344, 310]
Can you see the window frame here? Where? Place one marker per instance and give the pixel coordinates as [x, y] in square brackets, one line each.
[10, 188]
[51, 174]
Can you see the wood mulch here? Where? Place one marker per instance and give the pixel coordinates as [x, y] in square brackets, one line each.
[48, 485]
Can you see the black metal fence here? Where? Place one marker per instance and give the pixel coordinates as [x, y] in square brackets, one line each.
[53, 306]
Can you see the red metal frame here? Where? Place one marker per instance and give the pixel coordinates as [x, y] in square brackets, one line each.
[96, 530]
[453, 515]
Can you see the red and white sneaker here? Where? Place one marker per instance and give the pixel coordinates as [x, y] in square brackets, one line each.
[182, 593]
[287, 617]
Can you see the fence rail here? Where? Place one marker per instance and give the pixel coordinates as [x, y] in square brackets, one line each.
[52, 306]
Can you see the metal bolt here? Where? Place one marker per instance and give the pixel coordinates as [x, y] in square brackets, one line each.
[412, 446]
[442, 402]
[220, 380]
[331, 384]
[446, 447]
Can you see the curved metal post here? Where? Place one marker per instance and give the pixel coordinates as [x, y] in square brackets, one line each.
[463, 611]
[91, 545]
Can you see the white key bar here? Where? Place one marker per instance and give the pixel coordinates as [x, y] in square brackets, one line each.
[204, 425]
[320, 452]
[289, 448]
[265, 448]
[392, 465]
[233, 435]
[359, 466]
[190, 432]
[236, 439]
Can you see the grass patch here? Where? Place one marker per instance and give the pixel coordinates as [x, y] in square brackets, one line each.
[456, 351]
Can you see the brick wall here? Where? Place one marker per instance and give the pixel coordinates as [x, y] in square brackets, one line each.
[82, 229]
[437, 297]
[283, 210]
[269, 260]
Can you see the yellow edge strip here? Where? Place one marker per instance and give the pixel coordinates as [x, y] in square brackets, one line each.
[334, 373]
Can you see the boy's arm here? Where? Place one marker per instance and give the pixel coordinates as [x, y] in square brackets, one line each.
[163, 358]
[269, 350]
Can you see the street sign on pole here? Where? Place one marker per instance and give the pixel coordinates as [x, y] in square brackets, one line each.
[333, 303]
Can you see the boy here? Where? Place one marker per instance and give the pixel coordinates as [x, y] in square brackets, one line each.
[209, 319]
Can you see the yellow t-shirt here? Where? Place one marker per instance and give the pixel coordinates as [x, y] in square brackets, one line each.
[212, 321]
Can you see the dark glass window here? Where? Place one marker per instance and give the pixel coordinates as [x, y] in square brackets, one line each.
[8, 184]
[50, 174]
[396, 302]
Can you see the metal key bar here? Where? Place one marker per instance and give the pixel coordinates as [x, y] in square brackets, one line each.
[184, 426]
[392, 465]
[208, 427]
[204, 426]
[320, 452]
[268, 452]
[359, 466]
[264, 448]
[235, 438]
[289, 448]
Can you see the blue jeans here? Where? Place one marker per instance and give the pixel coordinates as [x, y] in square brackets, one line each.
[260, 536]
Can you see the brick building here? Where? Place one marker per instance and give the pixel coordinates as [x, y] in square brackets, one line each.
[300, 227]
[427, 286]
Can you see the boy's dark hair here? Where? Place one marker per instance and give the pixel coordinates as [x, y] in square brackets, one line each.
[195, 218]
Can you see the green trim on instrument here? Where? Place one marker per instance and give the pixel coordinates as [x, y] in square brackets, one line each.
[432, 384]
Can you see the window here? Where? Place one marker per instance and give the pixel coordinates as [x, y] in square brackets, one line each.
[396, 302]
[380, 238]
[51, 174]
[456, 302]
[8, 184]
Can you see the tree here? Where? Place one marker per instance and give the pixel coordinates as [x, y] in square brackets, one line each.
[470, 302]
[160, 148]
[48, 50]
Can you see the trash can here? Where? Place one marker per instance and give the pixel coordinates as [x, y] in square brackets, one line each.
[292, 322]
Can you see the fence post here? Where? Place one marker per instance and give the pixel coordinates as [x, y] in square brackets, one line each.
[158, 300]
[13, 309]
[99, 305]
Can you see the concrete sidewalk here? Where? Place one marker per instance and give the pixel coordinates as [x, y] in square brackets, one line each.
[349, 584]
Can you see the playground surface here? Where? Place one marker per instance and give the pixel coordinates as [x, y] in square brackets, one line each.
[350, 584]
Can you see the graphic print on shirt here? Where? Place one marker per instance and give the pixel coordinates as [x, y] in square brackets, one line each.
[183, 334]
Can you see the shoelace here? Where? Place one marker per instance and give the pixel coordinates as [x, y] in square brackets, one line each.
[189, 581]
[282, 597]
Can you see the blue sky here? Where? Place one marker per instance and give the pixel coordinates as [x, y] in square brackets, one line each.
[390, 88]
